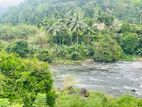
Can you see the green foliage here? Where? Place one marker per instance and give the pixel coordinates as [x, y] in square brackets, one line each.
[21, 31]
[128, 57]
[133, 28]
[96, 100]
[16, 105]
[3, 44]
[38, 10]
[105, 18]
[4, 103]
[40, 101]
[140, 41]
[74, 52]
[75, 100]
[23, 79]
[129, 42]
[126, 101]
[139, 52]
[71, 27]
[44, 55]
[107, 50]
[19, 47]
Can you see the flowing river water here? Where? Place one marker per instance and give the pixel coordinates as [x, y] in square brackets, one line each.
[112, 78]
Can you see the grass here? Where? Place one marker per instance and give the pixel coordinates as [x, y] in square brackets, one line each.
[125, 57]
[96, 99]
[66, 61]
[130, 58]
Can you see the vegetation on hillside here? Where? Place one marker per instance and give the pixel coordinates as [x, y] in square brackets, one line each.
[95, 99]
[34, 11]
[22, 80]
[40, 31]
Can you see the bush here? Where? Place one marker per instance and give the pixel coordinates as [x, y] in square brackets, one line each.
[40, 101]
[24, 79]
[4, 103]
[140, 41]
[74, 52]
[107, 50]
[44, 55]
[139, 52]
[75, 55]
[3, 44]
[129, 42]
[131, 28]
[19, 47]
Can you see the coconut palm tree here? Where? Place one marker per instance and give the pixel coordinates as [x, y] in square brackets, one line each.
[56, 30]
[76, 25]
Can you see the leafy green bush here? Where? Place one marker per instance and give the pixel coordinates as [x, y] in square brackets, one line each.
[74, 52]
[44, 55]
[23, 79]
[107, 50]
[19, 47]
[4, 103]
[129, 42]
[75, 56]
[140, 41]
[40, 101]
[131, 28]
[139, 52]
[16, 105]
[3, 44]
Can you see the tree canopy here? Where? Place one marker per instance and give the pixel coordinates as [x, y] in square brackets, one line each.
[36, 10]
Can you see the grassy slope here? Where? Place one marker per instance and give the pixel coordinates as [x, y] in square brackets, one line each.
[96, 100]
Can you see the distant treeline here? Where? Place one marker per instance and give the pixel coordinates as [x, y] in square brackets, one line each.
[34, 11]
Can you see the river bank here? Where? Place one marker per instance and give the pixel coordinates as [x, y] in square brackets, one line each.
[113, 78]
[129, 58]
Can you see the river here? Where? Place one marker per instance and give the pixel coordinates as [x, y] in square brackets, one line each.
[111, 78]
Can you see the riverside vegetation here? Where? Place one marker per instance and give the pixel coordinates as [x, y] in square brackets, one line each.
[49, 31]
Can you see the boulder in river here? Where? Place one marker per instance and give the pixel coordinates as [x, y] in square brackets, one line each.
[84, 92]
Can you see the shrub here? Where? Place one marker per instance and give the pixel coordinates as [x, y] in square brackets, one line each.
[40, 101]
[129, 42]
[75, 55]
[139, 52]
[74, 52]
[2, 45]
[19, 47]
[4, 103]
[45, 55]
[24, 79]
[132, 28]
[140, 41]
[107, 50]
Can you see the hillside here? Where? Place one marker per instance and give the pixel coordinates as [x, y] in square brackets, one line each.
[36, 10]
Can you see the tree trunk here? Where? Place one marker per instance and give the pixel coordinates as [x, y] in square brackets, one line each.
[140, 19]
[71, 40]
[77, 38]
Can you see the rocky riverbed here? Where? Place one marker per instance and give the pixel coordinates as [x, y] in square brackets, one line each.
[112, 78]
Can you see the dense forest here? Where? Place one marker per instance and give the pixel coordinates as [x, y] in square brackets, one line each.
[35, 11]
[38, 32]
[76, 29]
